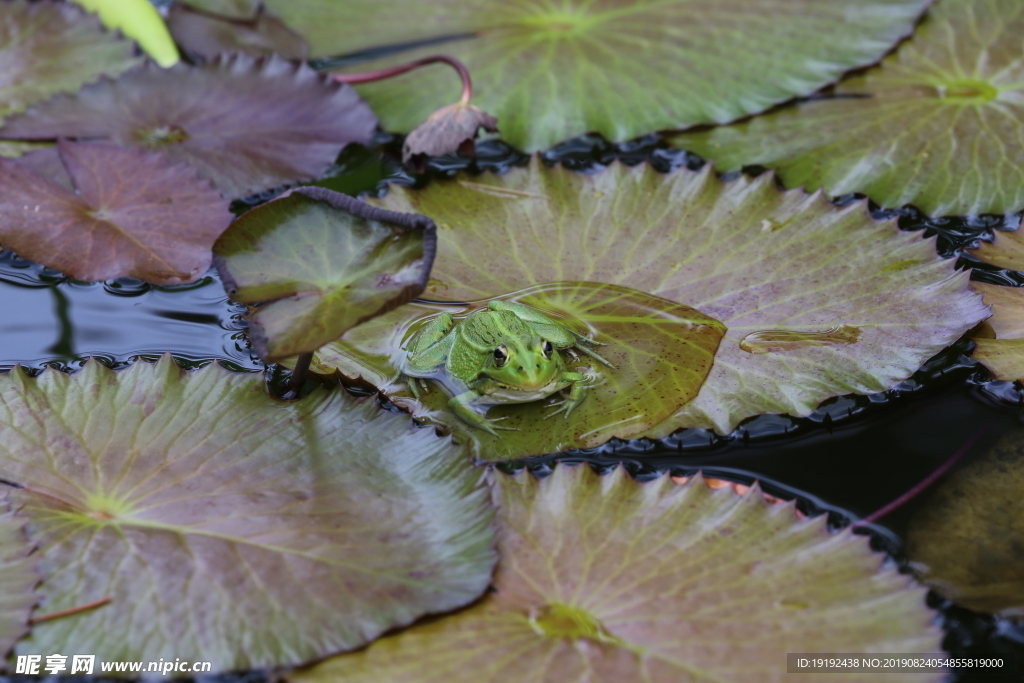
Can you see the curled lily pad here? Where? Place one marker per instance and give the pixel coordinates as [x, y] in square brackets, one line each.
[205, 35]
[131, 213]
[767, 264]
[326, 262]
[554, 70]
[1000, 344]
[229, 527]
[661, 351]
[18, 578]
[448, 129]
[966, 541]
[939, 125]
[49, 47]
[245, 124]
[604, 579]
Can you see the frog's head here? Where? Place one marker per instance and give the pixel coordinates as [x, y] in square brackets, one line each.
[526, 364]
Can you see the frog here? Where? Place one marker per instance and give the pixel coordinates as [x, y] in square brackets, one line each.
[505, 353]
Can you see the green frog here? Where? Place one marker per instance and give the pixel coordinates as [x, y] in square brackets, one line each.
[505, 353]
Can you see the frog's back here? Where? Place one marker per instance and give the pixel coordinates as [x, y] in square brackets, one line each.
[482, 332]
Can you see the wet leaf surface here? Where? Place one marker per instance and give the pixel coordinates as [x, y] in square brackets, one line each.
[940, 125]
[326, 262]
[1000, 342]
[134, 214]
[207, 35]
[966, 542]
[48, 48]
[554, 70]
[662, 352]
[247, 125]
[741, 252]
[229, 527]
[606, 580]
[18, 578]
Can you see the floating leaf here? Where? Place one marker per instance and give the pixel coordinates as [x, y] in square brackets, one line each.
[662, 352]
[447, 130]
[133, 214]
[940, 125]
[48, 48]
[966, 542]
[326, 262]
[245, 124]
[1003, 354]
[139, 20]
[206, 35]
[233, 9]
[1006, 250]
[554, 70]
[229, 527]
[604, 579]
[17, 579]
[741, 252]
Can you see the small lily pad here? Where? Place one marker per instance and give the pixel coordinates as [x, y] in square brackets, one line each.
[228, 527]
[661, 351]
[1000, 343]
[966, 542]
[605, 579]
[245, 124]
[326, 262]
[132, 213]
[769, 265]
[49, 47]
[205, 35]
[939, 125]
[554, 70]
[17, 579]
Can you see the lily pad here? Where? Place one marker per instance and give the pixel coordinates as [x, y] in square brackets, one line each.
[661, 351]
[49, 47]
[1000, 344]
[131, 213]
[245, 124]
[234, 9]
[605, 579]
[554, 70]
[326, 262]
[966, 542]
[1006, 250]
[766, 263]
[202, 34]
[939, 125]
[228, 527]
[17, 579]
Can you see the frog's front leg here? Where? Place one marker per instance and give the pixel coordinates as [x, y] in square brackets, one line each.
[461, 405]
[577, 392]
[428, 349]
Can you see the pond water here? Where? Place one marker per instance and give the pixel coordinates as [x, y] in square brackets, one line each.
[849, 458]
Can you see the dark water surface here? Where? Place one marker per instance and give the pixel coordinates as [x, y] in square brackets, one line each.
[849, 458]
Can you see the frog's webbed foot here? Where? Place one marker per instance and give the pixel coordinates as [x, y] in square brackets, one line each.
[576, 395]
[416, 384]
[460, 405]
[584, 346]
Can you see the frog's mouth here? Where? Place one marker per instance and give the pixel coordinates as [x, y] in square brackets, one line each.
[527, 393]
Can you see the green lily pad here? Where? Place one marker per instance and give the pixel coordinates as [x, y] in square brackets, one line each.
[1000, 342]
[966, 542]
[554, 70]
[205, 35]
[605, 579]
[48, 48]
[818, 300]
[229, 527]
[661, 351]
[326, 262]
[245, 124]
[939, 125]
[131, 213]
[18, 578]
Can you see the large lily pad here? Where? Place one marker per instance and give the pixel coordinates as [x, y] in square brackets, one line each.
[245, 124]
[818, 300]
[966, 542]
[17, 579]
[553, 70]
[49, 47]
[605, 579]
[661, 351]
[228, 527]
[1000, 344]
[131, 213]
[940, 125]
[325, 262]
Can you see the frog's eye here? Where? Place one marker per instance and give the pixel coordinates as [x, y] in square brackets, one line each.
[547, 348]
[501, 355]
